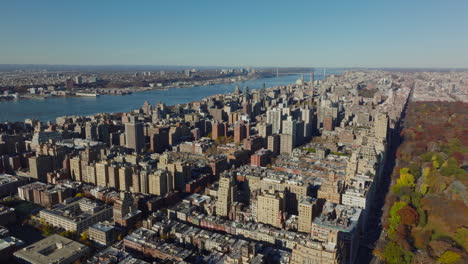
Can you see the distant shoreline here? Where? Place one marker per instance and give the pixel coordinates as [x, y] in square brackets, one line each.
[130, 90]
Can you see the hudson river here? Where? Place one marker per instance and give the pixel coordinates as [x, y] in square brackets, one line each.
[50, 108]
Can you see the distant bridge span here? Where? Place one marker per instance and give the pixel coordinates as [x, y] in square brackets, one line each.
[311, 74]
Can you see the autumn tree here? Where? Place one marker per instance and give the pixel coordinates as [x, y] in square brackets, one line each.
[449, 257]
[408, 216]
[394, 254]
[84, 236]
[421, 238]
[394, 219]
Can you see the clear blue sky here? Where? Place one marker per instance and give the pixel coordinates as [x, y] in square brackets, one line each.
[330, 33]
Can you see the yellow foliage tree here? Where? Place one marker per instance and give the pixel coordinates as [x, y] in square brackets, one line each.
[435, 162]
[449, 257]
[423, 188]
[406, 178]
[84, 236]
[426, 172]
[461, 237]
[394, 218]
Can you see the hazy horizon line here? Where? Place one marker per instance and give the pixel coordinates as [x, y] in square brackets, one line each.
[232, 66]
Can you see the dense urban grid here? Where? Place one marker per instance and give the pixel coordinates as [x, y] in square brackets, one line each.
[287, 174]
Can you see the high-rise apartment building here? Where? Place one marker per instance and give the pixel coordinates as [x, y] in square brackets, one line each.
[144, 181]
[125, 178]
[103, 133]
[136, 186]
[75, 168]
[381, 126]
[286, 143]
[218, 130]
[270, 207]
[134, 135]
[226, 194]
[240, 132]
[180, 172]
[91, 174]
[290, 128]
[274, 143]
[307, 115]
[113, 172]
[299, 137]
[102, 175]
[264, 130]
[91, 131]
[160, 182]
[307, 208]
[328, 123]
[274, 117]
[39, 166]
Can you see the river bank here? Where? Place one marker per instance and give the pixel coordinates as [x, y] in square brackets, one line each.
[53, 107]
[93, 92]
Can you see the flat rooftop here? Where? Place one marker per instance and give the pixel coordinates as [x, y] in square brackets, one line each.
[7, 178]
[7, 242]
[52, 249]
[104, 227]
[78, 210]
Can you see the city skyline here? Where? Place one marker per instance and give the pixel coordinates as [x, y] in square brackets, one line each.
[261, 34]
[234, 132]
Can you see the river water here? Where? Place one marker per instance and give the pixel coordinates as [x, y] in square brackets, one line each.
[50, 108]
